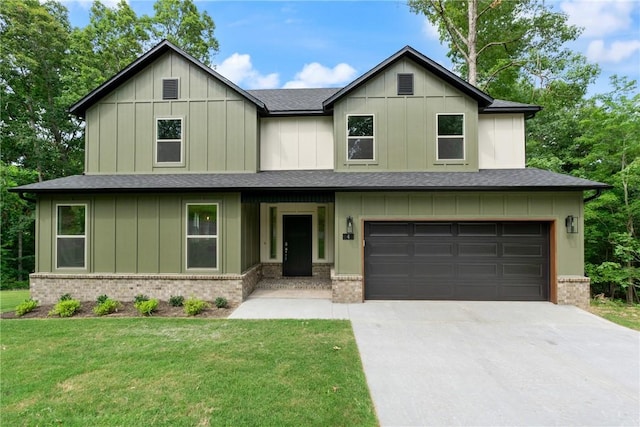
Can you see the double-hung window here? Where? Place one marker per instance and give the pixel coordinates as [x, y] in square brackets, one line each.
[202, 236]
[71, 237]
[450, 137]
[169, 140]
[360, 137]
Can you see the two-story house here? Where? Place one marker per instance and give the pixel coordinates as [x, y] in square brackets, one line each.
[408, 183]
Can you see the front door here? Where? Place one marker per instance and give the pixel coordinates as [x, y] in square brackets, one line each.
[297, 245]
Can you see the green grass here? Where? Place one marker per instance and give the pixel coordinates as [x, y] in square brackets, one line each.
[10, 299]
[617, 311]
[181, 372]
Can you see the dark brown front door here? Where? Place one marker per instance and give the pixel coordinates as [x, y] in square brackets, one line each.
[487, 261]
[297, 245]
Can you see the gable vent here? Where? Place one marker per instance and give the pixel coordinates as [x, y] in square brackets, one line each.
[405, 84]
[169, 88]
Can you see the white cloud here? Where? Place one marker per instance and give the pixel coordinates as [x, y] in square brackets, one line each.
[430, 30]
[618, 50]
[599, 17]
[317, 75]
[86, 4]
[239, 69]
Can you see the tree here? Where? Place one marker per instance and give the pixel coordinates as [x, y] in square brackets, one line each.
[610, 134]
[180, 22]
[36, 131]
[492, 42]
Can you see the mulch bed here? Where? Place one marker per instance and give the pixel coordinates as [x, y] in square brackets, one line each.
[126, 310]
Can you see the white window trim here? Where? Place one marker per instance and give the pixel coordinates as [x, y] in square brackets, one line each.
[86, 228]
[372, 137]
[216, 236]
[155, 143]
[464, 139]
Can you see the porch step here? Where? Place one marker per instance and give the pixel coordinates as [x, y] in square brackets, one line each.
[295, 283]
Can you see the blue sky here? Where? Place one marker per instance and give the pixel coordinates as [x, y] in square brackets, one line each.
[269, 44]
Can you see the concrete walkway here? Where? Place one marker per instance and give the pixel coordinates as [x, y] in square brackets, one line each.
[484, 363]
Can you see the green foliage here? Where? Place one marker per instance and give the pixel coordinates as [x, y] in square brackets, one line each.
[9, 284]
[146, 307]
[221, 302]
[140, 298]
[194, 306]
[101, 299]
[26, 306]
[107, 306]
[176, 300]
[65, 308]
[65, 297]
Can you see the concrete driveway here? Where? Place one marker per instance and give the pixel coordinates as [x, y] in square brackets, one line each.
[446, 363]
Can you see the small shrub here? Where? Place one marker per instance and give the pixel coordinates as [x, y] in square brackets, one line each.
[65, 297]
[176, 300]
[146, 307]
[140, 298]
[194, 306]
[221, 302]
[101, 299]
[65, 308]
[26, 306]
[108, 306]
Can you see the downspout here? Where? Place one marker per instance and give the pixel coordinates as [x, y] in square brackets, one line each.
[25, 198]
[593, 196]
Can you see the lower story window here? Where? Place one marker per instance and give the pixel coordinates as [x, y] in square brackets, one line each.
[71, 238]
[202, 236]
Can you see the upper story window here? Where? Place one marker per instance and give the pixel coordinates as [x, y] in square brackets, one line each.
[170, 88]
[405, 84]
[450, 137]
[202, 236]
[169, 141]
[360, 137]
[71, 238]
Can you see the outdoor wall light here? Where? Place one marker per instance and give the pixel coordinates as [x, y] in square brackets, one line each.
[349, 234]
[571, 222]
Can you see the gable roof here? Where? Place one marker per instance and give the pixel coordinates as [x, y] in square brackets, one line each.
[482, 98]
[80, 107]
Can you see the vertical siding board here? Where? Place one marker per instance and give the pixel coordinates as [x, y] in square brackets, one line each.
[144, 137]
[468, 204]
[420, 204]
[444, 204]
[230, 254]
[181, 69]
[144, 85]
[161, 69]
[126, 138]
[217, 135]
[250, 137]
[197, 137]
[108, 142]
[396, 205]
[92, 140]
[46, 236]
[171, 234]
[103, 239]
[148, 239]
[126, 234]
[198, 85]
[235, 136]
[516, 204]
[416, 128]
[396, 134]
[492, 205]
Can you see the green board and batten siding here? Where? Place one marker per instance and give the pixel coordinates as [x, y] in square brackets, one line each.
[146, 233]
[446, 206]
[405, 126]
[220, 126]
[250, 235]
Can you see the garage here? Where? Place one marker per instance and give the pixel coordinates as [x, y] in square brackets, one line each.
[481, 261]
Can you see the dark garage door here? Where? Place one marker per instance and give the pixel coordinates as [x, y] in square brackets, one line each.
[484, 261]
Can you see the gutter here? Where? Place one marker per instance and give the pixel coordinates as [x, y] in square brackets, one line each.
[25, 198]
[597, 194]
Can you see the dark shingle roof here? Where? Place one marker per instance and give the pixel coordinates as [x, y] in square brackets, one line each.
[502, 106]
[486, 180]
[290, 101]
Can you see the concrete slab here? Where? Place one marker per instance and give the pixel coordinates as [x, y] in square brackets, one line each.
[444, 363]
[292, 293]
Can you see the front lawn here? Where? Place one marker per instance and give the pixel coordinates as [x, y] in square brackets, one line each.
[10, 299]
[617, 311]
[181, 372]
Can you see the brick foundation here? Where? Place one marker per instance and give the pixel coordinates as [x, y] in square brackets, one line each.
[346, 288]
[47, 287]
[273, 270]
[574, 290]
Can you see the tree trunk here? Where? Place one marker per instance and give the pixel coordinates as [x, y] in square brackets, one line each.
[472, 40]
[20, 256]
